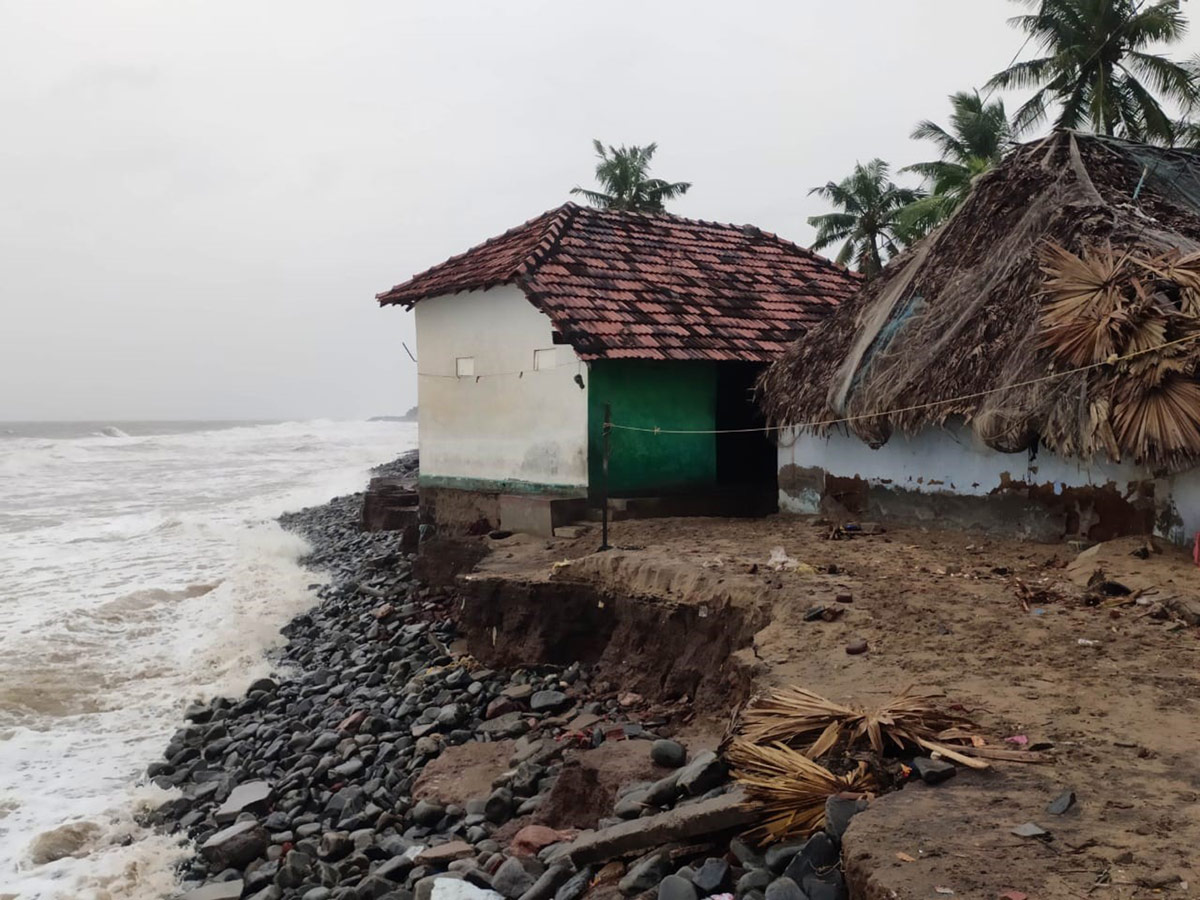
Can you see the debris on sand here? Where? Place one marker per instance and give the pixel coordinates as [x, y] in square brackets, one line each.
[910, 720]
[790, 790]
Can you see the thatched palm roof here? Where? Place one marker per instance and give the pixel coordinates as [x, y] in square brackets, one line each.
[969, 313]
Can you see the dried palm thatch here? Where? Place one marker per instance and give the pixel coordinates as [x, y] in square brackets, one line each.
[1132, 317]
[790, 788]
[912, 719]
[1048, 266]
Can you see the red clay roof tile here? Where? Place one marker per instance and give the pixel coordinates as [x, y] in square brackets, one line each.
[627, 285]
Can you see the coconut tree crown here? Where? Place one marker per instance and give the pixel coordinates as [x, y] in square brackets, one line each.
[623, 174]
[1097, 69]
[870, 221]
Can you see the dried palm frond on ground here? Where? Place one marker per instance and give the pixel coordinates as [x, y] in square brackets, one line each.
[912, 719]
[789, 788]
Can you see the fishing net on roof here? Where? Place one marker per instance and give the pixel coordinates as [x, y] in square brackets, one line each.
[954, 328]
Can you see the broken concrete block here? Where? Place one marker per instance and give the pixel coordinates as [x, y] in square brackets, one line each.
[722, 813]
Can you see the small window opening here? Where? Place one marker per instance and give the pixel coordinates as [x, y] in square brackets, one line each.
[545, 359]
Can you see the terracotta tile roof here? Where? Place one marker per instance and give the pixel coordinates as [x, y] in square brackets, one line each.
[622, 285]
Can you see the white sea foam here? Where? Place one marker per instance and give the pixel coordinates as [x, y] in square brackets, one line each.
[140, 573]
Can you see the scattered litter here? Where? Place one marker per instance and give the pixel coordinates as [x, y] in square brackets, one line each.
[1030, 830]
[943, 890]
[1084, 642]
[1061, 803]
[904, 857]
[1101, 583]
[855, 529]
[1019, 740]
[822, 613]
[781, 562]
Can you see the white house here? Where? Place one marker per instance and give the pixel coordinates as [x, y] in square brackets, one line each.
[527, 340]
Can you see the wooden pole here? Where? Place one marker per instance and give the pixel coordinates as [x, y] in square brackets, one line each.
[604, 483]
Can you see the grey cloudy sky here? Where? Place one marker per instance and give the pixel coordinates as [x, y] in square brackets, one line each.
[201, 197]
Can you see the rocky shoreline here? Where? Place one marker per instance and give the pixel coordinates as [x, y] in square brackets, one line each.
[311, 785]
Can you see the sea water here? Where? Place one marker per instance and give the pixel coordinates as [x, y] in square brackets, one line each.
[140, 568]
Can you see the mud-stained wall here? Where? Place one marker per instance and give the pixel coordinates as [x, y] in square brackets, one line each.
[950, 476]
[497, 428]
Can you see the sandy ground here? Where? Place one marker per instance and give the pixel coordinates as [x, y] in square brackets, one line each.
[1114, 689]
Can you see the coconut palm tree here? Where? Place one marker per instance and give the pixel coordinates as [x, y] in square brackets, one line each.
[623, 173]
[977, 137]
[869, 220]
[1096, 68]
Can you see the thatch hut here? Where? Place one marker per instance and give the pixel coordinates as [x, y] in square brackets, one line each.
[1039, 350]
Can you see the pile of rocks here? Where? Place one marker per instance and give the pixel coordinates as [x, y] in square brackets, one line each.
[303, 788]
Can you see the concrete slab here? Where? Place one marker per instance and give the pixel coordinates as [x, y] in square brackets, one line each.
[539, 515]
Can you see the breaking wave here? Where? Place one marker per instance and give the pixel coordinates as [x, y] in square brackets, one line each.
[151, 576]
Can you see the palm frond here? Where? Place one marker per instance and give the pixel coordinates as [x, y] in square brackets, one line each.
[796, 716]
[789, 788]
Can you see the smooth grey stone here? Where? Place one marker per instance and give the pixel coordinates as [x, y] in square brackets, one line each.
[668, 753]
[754, 880]
[251, 796]
[818, 854]
[673, 887]
[548, 883]
[839, 810]
[512, 879]
[548, 701]
[645, 874]
[712, 877]
[702, 774]
[826, 886]
[236, 846]
[783, 888]
[575, 886]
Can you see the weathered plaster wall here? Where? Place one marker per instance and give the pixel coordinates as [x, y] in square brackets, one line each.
[504, 433]
[941, 474]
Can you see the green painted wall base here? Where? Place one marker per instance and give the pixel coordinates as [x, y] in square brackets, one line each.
[500, 486]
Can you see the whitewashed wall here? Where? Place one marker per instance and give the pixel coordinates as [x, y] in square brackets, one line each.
[953, 460]
[531, 430]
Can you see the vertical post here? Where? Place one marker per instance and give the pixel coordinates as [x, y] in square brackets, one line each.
[604, 482]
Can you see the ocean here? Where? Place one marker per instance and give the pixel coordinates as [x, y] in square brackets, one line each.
[140, 568]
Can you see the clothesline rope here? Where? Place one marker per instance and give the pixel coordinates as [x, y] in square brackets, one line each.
[825, 423]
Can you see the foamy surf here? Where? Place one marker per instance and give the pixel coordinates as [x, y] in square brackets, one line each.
[140, 574]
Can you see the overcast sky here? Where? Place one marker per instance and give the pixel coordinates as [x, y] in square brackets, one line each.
[200, 198]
